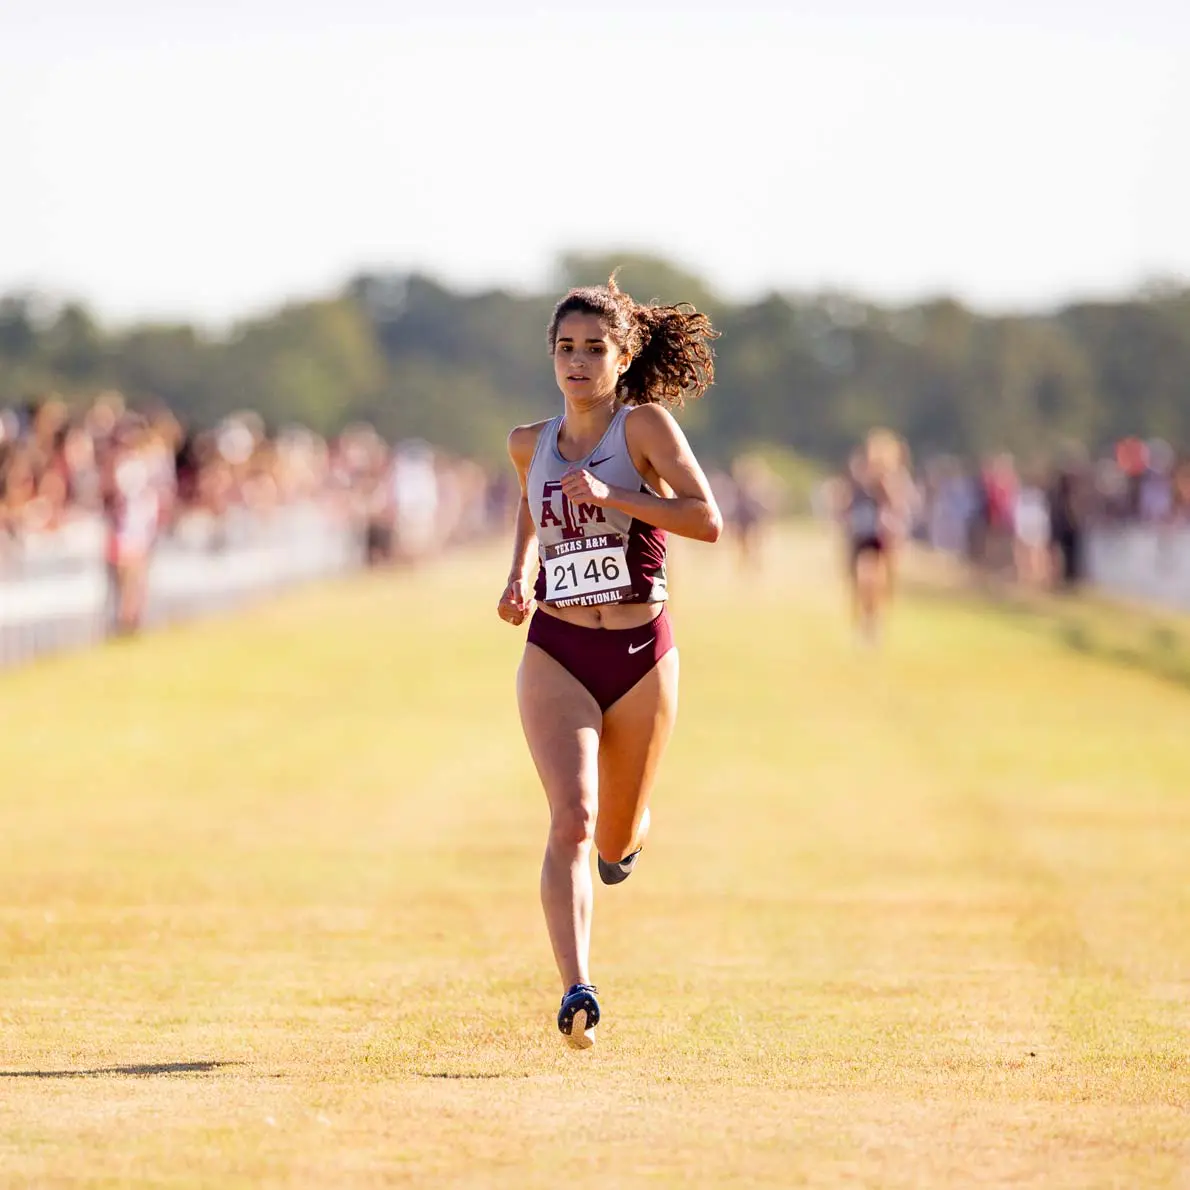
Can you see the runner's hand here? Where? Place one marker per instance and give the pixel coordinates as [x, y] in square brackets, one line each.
[581, 487]
[514, 603]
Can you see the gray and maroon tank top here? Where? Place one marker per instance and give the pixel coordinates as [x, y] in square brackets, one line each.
[865, 512]
[589, 555]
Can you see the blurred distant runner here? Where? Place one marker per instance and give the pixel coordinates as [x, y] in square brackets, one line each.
[601, 485]
[752, 510]
[132, 508]
[875, 510]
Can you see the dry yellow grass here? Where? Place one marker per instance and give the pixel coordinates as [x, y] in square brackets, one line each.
[269, 916]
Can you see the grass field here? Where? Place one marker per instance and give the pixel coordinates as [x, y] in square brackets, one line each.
[268, 905]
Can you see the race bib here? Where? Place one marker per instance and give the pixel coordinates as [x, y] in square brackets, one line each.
[586, 571]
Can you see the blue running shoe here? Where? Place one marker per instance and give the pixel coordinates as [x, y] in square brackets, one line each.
[578, 1016]
[615, 873]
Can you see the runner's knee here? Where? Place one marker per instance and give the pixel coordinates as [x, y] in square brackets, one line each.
[572, 824]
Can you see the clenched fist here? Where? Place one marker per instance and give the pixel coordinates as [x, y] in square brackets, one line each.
[514, 603]
[581, 487]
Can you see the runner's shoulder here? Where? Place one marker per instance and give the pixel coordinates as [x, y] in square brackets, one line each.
[522, 441]
[650, 417]
[650, 426]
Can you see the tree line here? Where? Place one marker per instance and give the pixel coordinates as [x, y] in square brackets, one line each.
[808, 373]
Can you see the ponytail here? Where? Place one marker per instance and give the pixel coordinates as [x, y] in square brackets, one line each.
[674, 360]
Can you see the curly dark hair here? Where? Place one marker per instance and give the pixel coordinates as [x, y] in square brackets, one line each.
[669, 345]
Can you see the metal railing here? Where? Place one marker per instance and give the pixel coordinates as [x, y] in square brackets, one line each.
[54, 593]
[1149, 562]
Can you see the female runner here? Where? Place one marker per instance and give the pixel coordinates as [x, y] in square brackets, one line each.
[601, 486]
[875, 512]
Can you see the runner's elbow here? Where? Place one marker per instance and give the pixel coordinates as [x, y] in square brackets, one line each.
[712, 530]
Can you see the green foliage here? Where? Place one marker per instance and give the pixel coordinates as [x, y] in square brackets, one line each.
[804, 374]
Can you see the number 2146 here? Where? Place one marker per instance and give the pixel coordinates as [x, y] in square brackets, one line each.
[596, 570]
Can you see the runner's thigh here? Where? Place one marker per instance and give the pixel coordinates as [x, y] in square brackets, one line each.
[562, 726]
[636, 730]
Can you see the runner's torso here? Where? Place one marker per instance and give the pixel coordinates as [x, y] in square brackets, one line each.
[599, 566]
[865, 513]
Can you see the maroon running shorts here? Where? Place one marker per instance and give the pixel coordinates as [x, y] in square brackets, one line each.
[607, 661]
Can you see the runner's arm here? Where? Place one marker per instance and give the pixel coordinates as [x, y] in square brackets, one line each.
[523, 540]
[521, 444]
[656, 439]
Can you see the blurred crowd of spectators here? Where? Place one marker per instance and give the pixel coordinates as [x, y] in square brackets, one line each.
[144, 476]
[1032, 521]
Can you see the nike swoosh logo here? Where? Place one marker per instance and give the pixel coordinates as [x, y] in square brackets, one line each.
[637, 648]
[596, 462]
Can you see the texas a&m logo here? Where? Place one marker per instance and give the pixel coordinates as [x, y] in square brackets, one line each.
[573, 518]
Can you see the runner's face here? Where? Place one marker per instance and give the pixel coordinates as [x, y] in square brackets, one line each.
[587, 363]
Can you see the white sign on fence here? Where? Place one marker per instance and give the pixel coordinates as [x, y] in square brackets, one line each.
[58, 597]
[1145, 562]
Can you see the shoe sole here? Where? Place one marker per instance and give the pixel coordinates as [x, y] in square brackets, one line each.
[617, 873]
[580, 1040]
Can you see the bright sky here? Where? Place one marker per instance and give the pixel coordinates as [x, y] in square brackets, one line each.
[206, 160]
